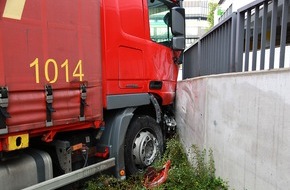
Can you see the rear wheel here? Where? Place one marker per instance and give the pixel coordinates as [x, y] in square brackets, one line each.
[143, 144]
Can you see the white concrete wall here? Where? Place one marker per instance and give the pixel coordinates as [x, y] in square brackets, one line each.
[245, 119]
[267, 58]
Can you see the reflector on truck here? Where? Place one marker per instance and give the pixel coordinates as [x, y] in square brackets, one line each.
[16, 142]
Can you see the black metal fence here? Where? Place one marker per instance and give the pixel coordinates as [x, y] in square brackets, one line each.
[246, 40]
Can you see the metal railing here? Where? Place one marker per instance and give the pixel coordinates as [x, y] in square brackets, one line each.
[244, 41]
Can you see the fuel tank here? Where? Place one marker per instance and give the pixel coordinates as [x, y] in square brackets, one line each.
[26, 169]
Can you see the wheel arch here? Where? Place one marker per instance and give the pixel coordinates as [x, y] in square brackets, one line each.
[117, 122]
[152, 109]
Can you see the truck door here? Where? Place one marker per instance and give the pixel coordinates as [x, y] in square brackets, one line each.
[131, 65]
[123, 33]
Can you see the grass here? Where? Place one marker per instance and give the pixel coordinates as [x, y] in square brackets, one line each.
[182, 175]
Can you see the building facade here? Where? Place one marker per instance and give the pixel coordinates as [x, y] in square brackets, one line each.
[227, 7]
[196, 12]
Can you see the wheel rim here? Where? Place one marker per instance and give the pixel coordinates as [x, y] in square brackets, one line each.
[145, 149]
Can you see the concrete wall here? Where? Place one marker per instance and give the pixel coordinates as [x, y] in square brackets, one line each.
[245, 119]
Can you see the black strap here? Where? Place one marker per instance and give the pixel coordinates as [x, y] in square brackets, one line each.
[3, 107]
[49, 108]
[83, 103]
[40, 165]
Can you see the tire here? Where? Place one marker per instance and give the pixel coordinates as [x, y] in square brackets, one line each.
[143, 144]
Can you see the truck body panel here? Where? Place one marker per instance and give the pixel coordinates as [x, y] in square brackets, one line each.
[55, 43]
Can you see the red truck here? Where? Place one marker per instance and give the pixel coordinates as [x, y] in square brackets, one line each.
[85, 84]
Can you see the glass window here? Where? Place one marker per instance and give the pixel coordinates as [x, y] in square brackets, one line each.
[159, 14]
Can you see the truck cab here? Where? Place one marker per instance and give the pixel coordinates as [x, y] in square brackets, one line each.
[85, 83]
[143, 42]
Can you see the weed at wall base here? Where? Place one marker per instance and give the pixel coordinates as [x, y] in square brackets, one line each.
[182, 174]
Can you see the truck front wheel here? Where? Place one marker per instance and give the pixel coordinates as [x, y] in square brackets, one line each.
[143, 144]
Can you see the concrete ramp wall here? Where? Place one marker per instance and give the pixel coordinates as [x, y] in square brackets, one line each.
[245, 119]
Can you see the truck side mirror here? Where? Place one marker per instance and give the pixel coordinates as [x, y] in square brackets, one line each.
[178, 28]
[178, 21]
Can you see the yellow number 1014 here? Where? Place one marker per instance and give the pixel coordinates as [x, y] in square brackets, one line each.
[52, 64]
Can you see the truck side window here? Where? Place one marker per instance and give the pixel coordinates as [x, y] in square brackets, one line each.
[159, 17]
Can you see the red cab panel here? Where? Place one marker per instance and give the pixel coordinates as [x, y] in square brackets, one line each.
[131, 58]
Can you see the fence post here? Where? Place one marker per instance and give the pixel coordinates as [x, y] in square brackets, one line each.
[263, 35]
[283, 33]
[239, 42]
[233, 42]
[273, 34]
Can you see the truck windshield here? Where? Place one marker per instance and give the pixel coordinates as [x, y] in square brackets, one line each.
[159, 17]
